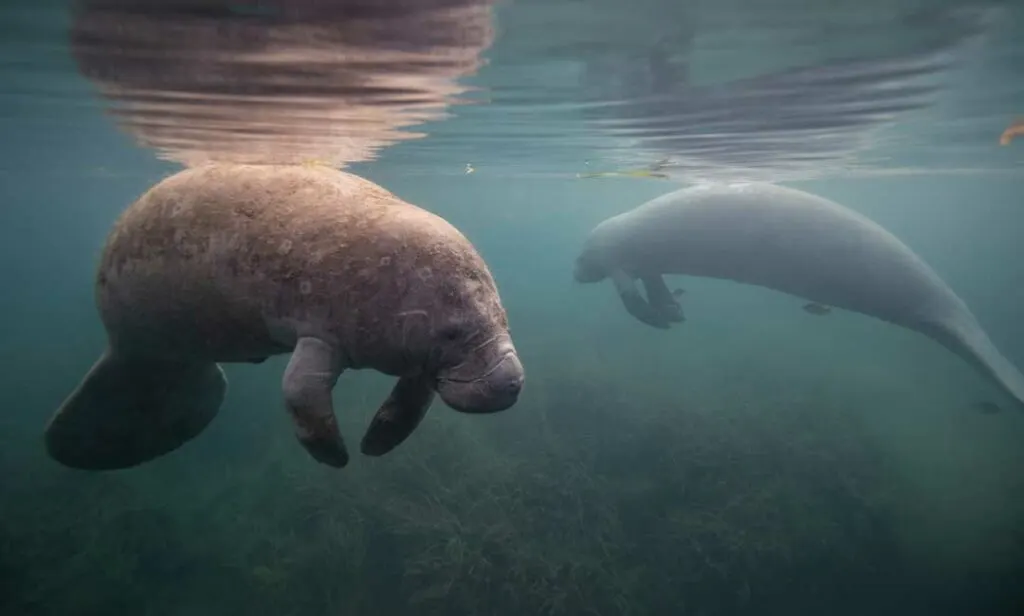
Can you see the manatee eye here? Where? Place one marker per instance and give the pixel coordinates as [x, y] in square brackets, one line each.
[451, 333]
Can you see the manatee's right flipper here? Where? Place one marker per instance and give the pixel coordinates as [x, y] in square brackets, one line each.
[129, 410]
[308, 381]
[399, 415]
[661, 299]
[635, 303]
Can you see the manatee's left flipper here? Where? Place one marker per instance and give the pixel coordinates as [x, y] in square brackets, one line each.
[129, 410]
[661, 299]
[308, 381]
[635, 303]
[399, 415]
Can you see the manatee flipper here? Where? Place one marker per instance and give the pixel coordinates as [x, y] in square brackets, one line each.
[661, 299]
[635, 303]
[307, 385]
[817, 309]
[399, 415]
[129, 410]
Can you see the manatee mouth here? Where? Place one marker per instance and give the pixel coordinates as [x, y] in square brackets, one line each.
[495, 390]
[584, 272]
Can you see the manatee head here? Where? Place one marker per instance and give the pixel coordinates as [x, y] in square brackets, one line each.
[464, 339]
[589, 268]
[591, 264]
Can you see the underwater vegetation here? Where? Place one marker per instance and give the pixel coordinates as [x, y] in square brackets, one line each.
[725, 499]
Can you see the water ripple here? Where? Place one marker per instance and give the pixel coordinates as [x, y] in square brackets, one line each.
[769, 89]
[280, 81]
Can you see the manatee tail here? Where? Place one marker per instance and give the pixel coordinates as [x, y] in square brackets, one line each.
[129, 410]
[964, 336]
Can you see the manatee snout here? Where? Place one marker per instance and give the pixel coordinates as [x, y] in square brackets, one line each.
[586, 270]
[495, 388]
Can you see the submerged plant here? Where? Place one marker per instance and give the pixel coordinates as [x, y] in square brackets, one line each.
[729, 499]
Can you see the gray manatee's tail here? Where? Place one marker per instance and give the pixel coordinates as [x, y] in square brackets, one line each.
[963, 335]
[129, 410]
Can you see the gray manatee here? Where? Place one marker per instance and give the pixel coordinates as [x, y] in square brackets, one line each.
[790, 241]
[236, 263]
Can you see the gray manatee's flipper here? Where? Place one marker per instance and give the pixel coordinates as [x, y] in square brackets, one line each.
[399, 415]
[129, 410]
[307, 385]
[635, 303]
[661, 299]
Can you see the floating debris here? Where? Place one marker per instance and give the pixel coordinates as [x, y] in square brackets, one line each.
[652, 171]
[1013, 130]
[635, 173]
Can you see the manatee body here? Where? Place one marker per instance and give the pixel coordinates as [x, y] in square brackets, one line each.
[790, 241]
[236, 263]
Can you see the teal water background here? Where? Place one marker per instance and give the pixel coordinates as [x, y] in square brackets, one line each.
[756, 459]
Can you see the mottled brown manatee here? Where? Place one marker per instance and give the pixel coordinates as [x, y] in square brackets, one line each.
[236, 263]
